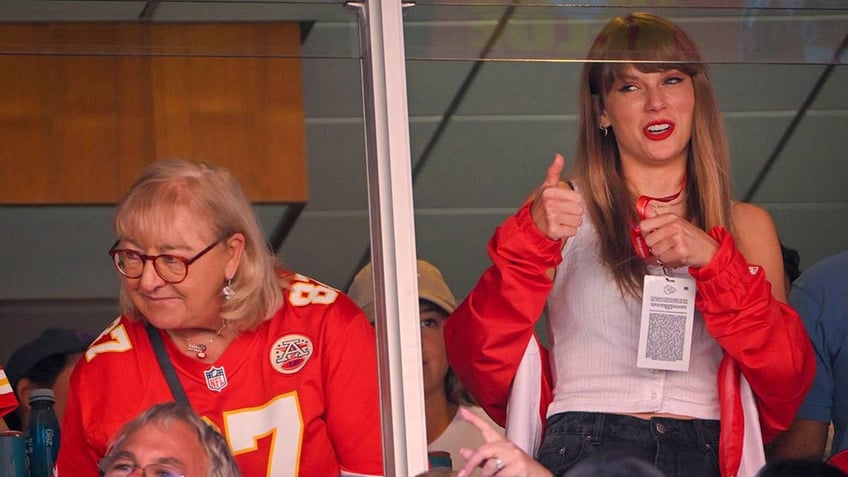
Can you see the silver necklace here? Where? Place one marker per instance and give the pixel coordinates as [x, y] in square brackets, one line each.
[200, 348]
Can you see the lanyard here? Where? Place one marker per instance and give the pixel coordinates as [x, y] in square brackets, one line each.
[642, 202]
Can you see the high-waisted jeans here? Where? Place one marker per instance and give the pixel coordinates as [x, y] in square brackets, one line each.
[678, 447]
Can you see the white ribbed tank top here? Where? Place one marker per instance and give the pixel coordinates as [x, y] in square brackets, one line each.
[594, 333]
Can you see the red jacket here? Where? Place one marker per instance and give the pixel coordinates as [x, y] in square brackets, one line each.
[8, 401]
[763, 339]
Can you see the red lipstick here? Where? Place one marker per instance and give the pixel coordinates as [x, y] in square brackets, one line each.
[658, 130]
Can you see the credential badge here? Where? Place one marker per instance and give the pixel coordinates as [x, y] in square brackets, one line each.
[290, 353]
[216, 378]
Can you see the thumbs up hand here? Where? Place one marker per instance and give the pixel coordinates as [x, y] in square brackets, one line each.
[557, 209]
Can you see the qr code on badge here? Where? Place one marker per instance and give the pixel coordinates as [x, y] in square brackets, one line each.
[666, 334]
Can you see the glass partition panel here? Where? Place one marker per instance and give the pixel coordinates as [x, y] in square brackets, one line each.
[727, 32]
[271, 89]
[328, 28]
[95, 37]
[492, 89]
[493, 95]
[102, 61]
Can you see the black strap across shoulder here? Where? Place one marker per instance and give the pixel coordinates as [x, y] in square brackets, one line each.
[166, 365]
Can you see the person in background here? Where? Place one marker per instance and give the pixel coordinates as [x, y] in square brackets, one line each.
[169, 440]
[799, 468]
[645, 218]
[613, 465]
[8, 401]
[284, 366]
[45, 362]
[791, 265]
[444, 395]
[821, 297]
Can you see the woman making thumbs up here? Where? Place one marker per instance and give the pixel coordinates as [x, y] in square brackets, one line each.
[670, 337]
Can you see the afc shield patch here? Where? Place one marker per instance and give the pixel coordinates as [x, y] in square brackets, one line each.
[216, 378]
[290, 353]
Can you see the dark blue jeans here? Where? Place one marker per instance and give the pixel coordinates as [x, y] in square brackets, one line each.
[679, 448]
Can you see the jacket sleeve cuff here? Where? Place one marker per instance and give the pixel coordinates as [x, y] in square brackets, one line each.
[528, 239]
[728, 282]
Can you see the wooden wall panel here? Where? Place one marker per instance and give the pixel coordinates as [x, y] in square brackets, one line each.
[77, 126]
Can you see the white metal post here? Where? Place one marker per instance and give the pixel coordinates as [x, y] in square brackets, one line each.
[392, 236]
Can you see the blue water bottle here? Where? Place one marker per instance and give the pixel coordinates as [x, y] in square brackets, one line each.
[439, 462]
[42, 433]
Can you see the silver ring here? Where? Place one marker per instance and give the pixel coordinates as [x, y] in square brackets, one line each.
[499, 465]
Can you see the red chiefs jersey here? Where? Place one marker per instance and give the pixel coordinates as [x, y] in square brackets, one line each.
[8, 402]
[296, 397]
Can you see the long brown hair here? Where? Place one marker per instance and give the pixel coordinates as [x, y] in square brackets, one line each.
[649, 43]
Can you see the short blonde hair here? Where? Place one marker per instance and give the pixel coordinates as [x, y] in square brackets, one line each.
[217, 202]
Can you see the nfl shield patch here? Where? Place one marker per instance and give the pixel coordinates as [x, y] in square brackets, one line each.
[216, 378]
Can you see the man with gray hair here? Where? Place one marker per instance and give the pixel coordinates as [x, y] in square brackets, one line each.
[169, 440]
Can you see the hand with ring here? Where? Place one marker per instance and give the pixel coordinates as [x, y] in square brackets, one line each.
[675, 242]
[497, 456]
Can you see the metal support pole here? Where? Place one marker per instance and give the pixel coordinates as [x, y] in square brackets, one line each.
[392, 237]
